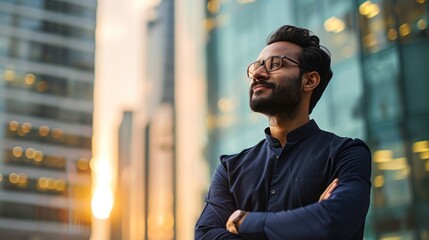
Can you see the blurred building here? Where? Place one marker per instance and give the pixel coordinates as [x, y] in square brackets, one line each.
[46, 99]
[128, 213]
[379, 91]
[159, 131]
[120, 215]
[145, 198]
[171, 170]
[192, 172]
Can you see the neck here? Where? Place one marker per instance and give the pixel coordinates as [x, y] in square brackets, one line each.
[281, 126]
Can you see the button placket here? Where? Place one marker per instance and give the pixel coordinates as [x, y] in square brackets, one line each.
[272, 192]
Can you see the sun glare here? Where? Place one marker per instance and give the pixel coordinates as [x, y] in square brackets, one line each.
[102, 194]
[102, 202]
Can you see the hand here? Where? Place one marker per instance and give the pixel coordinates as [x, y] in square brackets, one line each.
[327, 193]
[235, 220]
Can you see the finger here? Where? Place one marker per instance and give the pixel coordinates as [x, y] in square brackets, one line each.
[330, 190]
[230, 226]
[327, 193]
[332, 186]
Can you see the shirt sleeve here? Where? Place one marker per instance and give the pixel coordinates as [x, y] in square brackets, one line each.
[338, 217]
[220, 204]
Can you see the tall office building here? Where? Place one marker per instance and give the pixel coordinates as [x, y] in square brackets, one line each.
[127, 218]
[380, 51]
[159, 159]
[120, 216]
[46, 99]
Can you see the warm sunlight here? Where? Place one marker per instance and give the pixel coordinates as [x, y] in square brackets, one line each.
[102, 202]
[102, 195]
[119, 35]
[102, 174]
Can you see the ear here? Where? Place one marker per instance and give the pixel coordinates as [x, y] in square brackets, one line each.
[310, 81]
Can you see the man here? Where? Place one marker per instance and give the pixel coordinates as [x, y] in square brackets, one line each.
[275, 190]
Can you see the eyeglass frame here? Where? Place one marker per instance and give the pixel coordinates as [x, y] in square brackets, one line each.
[262, 63]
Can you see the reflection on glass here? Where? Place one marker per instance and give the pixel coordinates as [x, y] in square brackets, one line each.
[412, 20]
[334, 24]
[382, 24]
[376, 21]
[49, 85]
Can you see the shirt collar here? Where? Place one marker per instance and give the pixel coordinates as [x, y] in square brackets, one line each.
[295, 135]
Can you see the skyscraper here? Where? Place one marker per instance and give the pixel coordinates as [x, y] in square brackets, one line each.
[46, 99]
[159, 131]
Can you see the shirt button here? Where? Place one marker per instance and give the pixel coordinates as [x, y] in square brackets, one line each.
[277, 156]
[273, 191]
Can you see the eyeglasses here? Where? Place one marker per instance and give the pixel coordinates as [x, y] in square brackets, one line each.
[270, 64]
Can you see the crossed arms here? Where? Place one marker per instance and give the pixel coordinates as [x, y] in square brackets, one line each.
[339, 214]
[237, 218]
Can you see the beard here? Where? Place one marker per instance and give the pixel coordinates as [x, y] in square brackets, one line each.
[283, 101]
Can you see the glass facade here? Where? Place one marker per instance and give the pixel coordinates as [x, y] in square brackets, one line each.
[394, 47]
[46, 92]
[378, 92]
[234, 41]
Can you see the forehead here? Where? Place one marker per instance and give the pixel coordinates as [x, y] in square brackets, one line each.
[280, 49]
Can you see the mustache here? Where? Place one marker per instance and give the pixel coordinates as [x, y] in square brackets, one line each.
[260, 83]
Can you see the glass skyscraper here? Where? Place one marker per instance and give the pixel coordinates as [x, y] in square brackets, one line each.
[46, 102]
[159, 160]
[378, 93]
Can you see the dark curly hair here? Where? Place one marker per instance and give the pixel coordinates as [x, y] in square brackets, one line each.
[313, 56]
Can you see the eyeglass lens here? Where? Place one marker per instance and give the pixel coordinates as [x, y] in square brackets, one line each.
[271, 64]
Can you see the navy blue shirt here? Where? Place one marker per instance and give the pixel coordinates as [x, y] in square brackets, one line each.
[281, 186]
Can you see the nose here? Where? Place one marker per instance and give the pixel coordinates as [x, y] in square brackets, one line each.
[260, 74]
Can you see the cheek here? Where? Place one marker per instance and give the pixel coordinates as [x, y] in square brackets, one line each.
[292, 83]
[297, 83]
